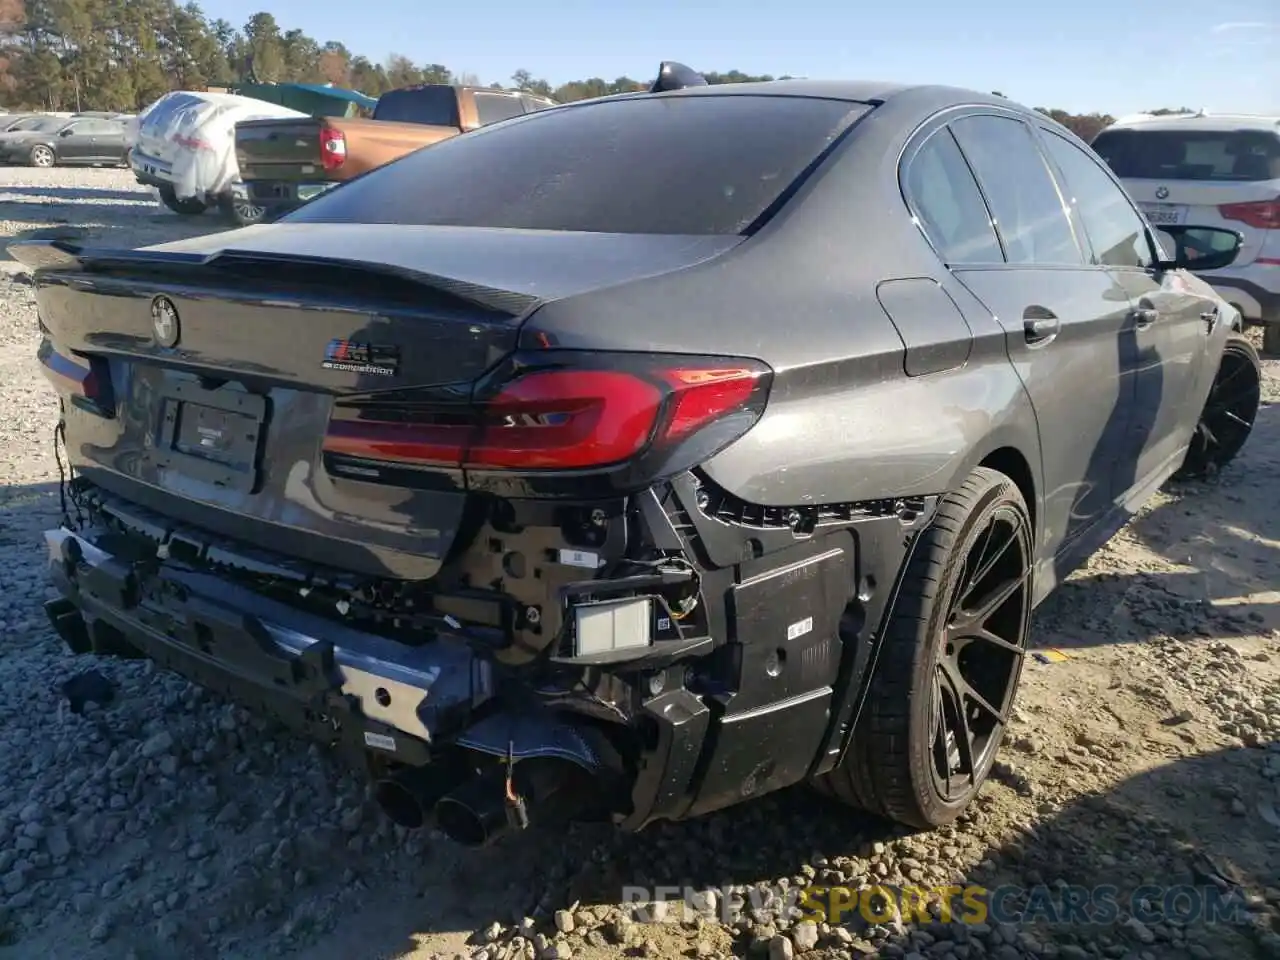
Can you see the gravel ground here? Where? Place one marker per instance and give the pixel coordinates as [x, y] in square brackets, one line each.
[170, 821]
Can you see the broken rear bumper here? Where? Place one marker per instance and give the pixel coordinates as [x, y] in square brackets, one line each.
[354, 685]
[766, 699]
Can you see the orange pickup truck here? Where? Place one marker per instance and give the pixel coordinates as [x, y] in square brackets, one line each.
[284, 163]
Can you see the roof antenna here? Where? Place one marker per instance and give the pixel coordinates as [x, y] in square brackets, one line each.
[676, 76]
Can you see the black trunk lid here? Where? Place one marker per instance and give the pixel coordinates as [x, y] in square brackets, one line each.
[225, 356]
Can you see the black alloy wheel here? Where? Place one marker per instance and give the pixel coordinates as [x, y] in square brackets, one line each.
[949, 663]
[1229, 412]
[979, 660]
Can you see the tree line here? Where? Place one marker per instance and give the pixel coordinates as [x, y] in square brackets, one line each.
[123, 54]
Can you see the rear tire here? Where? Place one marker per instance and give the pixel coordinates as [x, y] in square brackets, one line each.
[242, 213]
[42, 156]
[969, 577]
[1229, 412]
[185, 206]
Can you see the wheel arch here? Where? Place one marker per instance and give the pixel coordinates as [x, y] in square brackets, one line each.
[1013, 450]
[1011, 462]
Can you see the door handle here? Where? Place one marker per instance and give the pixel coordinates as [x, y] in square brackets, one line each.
[1145, 316]
[1039, 325]
[1210, 318]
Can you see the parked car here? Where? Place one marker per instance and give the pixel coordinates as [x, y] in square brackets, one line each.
[51, 141]
[284, 163]
[1212, 169]
[18, 121]
[672, 448]
[183, 144]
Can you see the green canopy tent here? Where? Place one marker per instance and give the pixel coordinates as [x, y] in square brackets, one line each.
[317, 99]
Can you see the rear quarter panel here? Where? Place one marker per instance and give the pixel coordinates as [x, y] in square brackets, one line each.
[845, 422]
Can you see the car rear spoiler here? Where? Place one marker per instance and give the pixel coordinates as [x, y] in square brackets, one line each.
[318, 275]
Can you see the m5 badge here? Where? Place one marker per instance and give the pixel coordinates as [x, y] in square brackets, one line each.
[379, 359]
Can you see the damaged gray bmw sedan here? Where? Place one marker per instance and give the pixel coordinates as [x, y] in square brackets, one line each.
[634, 458]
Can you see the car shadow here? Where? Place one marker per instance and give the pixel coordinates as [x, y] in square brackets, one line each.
[1185, 850]
[1204, 828]
[1221, 533]
[1156, 828]
[1161, 861]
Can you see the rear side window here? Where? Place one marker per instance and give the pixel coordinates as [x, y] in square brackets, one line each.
[1028, 211]
[945, 197]
[670, 165]
[1225, 155]
[1118, 235]
[492, 107]
[432, 105]
[101, 128]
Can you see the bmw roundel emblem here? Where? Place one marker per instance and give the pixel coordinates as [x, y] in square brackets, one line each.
[1162, 192]
[164, 322]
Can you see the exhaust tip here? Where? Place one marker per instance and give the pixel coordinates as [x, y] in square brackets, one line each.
[465, 825]
[70, 626]
[399, 803]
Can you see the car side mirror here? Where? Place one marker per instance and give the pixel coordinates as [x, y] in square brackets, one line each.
[67, 132]
[1199, 248]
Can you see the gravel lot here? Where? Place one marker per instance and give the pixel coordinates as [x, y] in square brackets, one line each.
[172, 823]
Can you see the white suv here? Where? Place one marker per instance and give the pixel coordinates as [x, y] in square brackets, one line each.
[1215, 170]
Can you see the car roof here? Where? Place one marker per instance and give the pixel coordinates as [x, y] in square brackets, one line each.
[928, 96]
[1200, 121]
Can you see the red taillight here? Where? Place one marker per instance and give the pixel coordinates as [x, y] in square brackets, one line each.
[564, 419]
[1262, 214]
[333, 148]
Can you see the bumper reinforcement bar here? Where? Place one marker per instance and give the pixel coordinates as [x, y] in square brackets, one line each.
[428, 692]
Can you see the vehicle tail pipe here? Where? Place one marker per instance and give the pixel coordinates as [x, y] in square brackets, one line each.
[408, 797]
[67, 622]
[503, 799]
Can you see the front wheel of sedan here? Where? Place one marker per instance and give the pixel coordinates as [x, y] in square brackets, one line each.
[42, 156]
[949, 663]
[1229, 412]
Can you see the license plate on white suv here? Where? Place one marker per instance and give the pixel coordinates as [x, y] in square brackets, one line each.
[1164, 214]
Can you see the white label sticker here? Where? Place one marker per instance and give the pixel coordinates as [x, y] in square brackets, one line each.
[379, 741]
[580, 558]
[664, 623]
[800, 628]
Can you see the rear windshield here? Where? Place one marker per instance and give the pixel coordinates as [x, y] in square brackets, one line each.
[1191, 154]
[673, 165]
[437, 106]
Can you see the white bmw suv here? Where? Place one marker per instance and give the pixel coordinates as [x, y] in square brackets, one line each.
[1217, 170]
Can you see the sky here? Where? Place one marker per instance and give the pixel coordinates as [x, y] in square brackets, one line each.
[1110, 56]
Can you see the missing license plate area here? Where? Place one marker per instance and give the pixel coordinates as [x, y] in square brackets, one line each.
[212, 435]
[218, 435]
